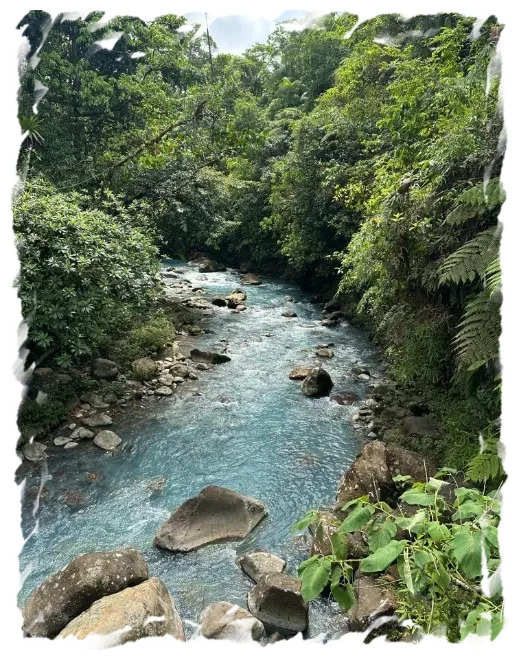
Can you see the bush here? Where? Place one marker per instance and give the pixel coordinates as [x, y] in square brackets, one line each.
[39, 418]
[143, 340]
[83, 271]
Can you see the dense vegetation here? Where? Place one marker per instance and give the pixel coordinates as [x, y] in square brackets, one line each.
[361, 164]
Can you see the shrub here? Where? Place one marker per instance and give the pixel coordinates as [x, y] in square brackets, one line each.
[144, 339]
[39, 418]
[83, 271]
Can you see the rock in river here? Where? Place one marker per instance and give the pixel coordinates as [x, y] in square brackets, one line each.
[289, 315]
[64, 595]
[146, 610]
[277, 602]
[215, 515]
[317, 383]
[101, 368]
[208, 356]
[256, 564]
[224, 620]
[250, 278]
[107, 440]
[299, 373]
[324, 352]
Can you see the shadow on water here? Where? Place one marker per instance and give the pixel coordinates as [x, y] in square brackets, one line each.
[252, 430]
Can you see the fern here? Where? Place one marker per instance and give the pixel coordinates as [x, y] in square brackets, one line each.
[487, 464]
[471, 260]
[477, 201]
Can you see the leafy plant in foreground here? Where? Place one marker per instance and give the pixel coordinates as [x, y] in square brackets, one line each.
[440, 550]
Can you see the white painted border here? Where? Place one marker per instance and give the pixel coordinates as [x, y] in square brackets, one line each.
[10, 621]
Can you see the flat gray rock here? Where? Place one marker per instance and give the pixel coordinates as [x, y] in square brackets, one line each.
[256, 564]
[215, 515]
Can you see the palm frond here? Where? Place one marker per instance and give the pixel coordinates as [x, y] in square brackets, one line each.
[477, 200]
[471, 260]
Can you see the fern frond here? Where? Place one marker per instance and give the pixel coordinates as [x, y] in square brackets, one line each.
[471, 260]
[477, 201]
[487, 464]
[477, 340]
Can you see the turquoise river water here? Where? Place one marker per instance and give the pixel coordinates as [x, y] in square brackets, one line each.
[251, 430]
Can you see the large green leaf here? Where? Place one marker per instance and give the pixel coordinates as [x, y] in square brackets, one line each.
[340, 546]
[314, 578]
[382, 558]
[342, 591]
[357, 518]
[466, 548]
[380, 533]
[310, 517]
[417, 497]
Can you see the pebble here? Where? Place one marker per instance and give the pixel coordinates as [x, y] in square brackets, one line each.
[70, 445]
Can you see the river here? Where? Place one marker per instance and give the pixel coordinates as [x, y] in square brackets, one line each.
[251, 429]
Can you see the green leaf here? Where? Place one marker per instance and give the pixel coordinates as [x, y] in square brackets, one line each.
[438, 532]
[311, 517]
[340, 546]
[416, 524]
[496, 624]
[404, 569]
[314, 578]
[466, 548]
[304, 564]
[490, 534]
[417, 497]
[357, 500]
[342, 591]
[382, 558]
[380, 534]
[357, 518]
[468, 510]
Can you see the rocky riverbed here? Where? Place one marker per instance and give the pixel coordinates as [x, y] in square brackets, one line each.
[224, 405]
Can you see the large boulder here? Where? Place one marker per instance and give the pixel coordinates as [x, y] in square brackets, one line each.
[373, 601]
[215, 515]
[299, 373]
[317, 383]
[210, 266]
[101, 368]
[373, 470]
[63, 596]
[277, 602]
[146, 610]
[251, 279]
[227, 621]
[144, 369]
[208, 356]
[107, 440]
[256, 564]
